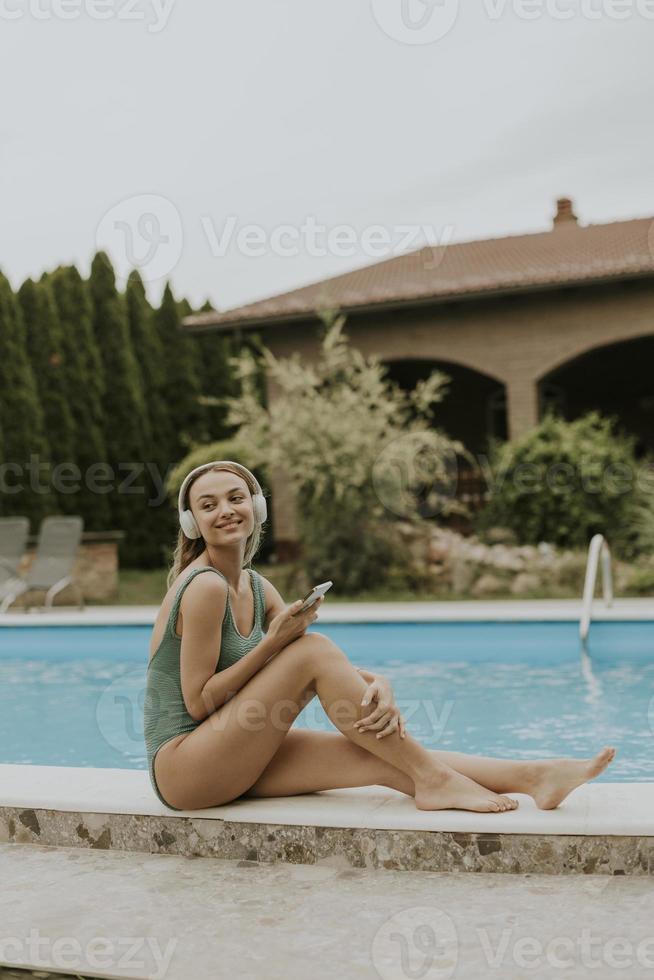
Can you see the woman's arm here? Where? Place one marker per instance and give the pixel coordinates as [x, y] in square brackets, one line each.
[274, 602]
[203, 609]
[385, 717]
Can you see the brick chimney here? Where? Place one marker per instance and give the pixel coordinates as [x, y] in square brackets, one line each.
[564, 213]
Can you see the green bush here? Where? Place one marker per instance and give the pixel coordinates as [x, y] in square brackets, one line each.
[564, 481]
[641, 581]
[357, 553]
[637, 538]
[199, 455]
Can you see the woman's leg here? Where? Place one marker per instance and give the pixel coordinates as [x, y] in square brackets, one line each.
[310, 761]
[548, 781]
[225, 755]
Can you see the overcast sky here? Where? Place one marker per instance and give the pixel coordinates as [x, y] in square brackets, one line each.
[164, 130]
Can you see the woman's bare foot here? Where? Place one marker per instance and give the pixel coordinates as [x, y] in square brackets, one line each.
[446, 789]
[553, 779]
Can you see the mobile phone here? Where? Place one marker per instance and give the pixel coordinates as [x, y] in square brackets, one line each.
[312, 596]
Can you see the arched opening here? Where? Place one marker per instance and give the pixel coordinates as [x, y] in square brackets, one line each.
[474, 410]
[615, 379]
[474, 406]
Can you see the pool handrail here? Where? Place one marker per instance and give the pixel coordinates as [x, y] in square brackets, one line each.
[598, 547]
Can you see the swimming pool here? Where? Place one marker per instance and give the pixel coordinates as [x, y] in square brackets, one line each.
[73, 695]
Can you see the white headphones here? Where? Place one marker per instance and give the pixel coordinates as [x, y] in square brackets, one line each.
[188, 523]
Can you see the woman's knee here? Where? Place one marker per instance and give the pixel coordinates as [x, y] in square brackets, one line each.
[314, 650]
[316, 645]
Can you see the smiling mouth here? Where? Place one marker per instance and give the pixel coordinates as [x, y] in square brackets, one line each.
[227, 527]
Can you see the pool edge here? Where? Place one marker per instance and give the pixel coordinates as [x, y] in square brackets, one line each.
[344, 847]
[497, 610]
[602, 828]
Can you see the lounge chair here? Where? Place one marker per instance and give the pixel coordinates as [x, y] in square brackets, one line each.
[13, 538]
[56, 550]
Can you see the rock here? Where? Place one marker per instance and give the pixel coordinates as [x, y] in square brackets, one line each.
[416, 548]
[488, 584]
[623, 574]
[475, 551]
[506, 558]
[438, 550]
[463, 573]
[568, 570]
[525, 582]
[470, 564]
[500, 535]
[405, 528]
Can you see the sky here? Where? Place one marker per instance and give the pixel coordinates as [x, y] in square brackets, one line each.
[240, 150]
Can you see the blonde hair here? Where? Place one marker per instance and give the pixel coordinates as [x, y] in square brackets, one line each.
[188, 549]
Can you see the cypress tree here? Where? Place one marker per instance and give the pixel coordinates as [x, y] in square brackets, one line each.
[127, 431]
[21, 417]
[149, 354]
[184, 308]
[45, 346]
[218, 378]
[85, 384]
[183, 376]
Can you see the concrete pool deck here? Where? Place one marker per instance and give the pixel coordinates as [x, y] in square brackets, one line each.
[605, 828]
[473, 610]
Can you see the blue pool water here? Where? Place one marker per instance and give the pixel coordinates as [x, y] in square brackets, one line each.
[74, 696]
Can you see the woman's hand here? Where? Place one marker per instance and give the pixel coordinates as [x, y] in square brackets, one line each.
[286, 627]
[386, 717]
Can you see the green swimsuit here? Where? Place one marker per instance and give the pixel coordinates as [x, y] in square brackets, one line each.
[164, 712]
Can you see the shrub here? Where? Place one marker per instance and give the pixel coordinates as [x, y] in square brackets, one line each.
[564, 481]
[199, 455]
[636, 538]
[641, 581]
[357, 451]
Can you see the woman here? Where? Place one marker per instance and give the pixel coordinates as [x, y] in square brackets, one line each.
[231, 667]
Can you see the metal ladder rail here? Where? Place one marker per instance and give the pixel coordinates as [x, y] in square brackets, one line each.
[598, 548]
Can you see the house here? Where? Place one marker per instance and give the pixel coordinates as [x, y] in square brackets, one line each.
[563, 317]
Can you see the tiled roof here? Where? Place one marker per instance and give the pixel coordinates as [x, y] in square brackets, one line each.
[568, 254]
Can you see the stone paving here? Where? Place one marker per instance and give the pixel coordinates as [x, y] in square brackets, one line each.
[125, 914]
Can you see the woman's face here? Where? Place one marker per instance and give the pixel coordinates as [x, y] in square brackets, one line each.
[221, 504]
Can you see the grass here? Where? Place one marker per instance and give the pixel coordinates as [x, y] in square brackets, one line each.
[148, 587]
[140, 588]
